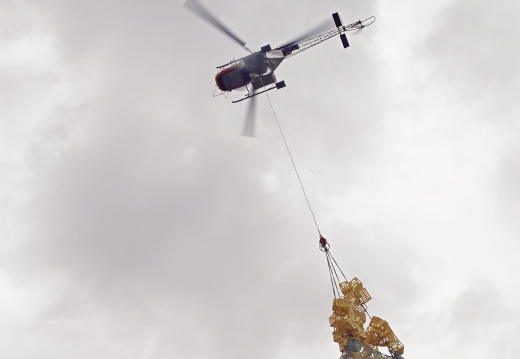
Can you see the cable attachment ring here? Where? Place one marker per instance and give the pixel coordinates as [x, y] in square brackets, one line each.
[324, 246]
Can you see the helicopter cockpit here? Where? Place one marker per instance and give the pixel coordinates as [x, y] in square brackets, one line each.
[231, 78]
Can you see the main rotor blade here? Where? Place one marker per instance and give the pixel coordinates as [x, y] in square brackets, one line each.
[249, 125]
[323, 27]
[197, 8]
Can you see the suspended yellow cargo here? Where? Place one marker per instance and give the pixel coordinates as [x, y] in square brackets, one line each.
[348, 319]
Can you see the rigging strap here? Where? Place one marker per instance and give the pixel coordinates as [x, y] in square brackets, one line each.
[333, 268]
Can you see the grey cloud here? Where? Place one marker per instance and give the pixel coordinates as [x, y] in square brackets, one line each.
[150, 222]
[480, 308]
[507, 179]
[473, 47]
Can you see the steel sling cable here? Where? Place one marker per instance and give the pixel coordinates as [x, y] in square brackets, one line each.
[324, 245]
[294, 165]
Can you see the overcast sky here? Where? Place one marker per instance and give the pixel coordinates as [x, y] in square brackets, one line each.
[136, 222]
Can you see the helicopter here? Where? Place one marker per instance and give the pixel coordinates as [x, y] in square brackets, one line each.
[255, 72]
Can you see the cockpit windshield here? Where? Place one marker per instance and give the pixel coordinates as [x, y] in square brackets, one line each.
[234, 79]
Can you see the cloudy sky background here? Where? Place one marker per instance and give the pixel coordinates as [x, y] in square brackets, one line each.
[136, 222]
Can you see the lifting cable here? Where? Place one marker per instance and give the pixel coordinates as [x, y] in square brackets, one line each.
[324, 246]
[294, 165]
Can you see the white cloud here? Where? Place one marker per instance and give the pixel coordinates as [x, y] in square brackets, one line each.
[138, 223]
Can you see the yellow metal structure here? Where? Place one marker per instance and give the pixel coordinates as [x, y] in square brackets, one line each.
[349, 316]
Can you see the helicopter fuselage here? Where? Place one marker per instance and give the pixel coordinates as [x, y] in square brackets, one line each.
[249, 69]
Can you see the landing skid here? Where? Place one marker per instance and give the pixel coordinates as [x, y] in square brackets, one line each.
[277, 85]
[256, 93]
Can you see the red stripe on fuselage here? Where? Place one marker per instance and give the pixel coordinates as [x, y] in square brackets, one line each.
[218, 78]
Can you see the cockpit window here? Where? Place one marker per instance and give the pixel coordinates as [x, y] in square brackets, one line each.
[233, 79]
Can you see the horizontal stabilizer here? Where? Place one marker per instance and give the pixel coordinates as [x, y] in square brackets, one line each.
[337, 20]
[344, 40]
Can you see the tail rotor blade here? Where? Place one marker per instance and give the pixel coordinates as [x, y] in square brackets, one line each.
[249, 125]
[197, 8]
